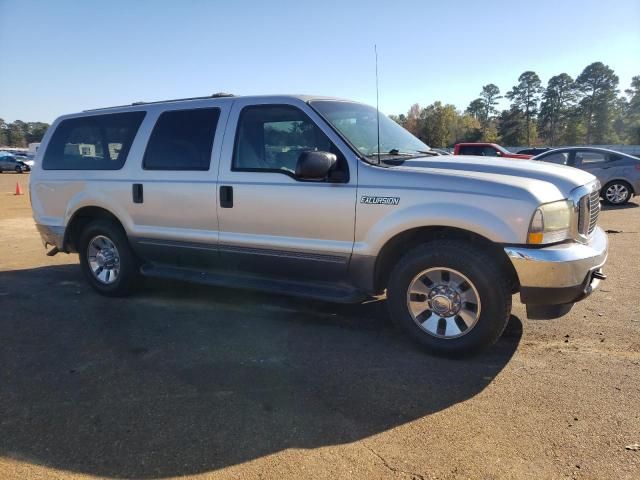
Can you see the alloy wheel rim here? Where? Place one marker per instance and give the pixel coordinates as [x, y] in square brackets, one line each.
[104, 259]
[443, 302]
[617, 193]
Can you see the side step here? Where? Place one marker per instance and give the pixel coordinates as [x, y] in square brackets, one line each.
[329, 292]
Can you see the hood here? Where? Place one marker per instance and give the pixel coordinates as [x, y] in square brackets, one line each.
[563, 177]
[523, 156]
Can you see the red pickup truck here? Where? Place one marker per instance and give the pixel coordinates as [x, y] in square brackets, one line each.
[486, 150]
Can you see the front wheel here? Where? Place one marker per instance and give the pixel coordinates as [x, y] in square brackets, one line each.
[106, 259]
[450, 296]
[18, 169]
[616, 193]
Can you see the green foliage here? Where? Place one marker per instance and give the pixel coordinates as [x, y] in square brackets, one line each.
[525, 97]
[632, 113]
[17, 136]
[566, 112]
[4, 133]
[597, 85]
[512, 129]
[440, 125]
[476, 109]
[558, 100]
[21, 134]
[489, 95]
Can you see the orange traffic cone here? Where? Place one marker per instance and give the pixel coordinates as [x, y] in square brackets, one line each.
[18, 189]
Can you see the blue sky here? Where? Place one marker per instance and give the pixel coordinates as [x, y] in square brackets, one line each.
[63, 56]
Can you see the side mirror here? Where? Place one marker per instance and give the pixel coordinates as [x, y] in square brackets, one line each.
[314, 165]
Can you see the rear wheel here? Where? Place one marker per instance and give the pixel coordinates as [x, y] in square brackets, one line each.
[106, 259]
[617, 192]
[450, 296]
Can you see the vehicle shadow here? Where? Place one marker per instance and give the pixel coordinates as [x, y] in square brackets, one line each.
[605, 207]
[183, 379]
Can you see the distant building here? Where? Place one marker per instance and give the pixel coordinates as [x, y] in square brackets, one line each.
[33, 149]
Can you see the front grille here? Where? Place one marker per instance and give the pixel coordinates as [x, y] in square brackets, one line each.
[588, 213]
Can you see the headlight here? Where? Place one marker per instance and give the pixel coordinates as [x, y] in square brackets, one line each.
[551, 223]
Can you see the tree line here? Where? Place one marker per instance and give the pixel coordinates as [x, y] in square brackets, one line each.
[21, 134]
[586, 110]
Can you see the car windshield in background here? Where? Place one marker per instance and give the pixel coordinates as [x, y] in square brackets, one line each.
[358, 124]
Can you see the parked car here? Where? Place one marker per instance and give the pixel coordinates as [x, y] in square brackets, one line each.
[9, 163]
[619, 173]
[485, 150]
[533, 151]
[290, 195]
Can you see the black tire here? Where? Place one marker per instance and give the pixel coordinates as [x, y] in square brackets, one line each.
[18, 169]
[483, 271]
[128, 263]
[617, 183]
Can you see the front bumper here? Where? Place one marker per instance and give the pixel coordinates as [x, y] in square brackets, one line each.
[559, 274]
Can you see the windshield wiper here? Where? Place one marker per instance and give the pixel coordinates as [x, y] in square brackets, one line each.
[394, 152]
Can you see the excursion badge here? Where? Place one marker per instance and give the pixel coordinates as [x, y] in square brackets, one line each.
[379, 200]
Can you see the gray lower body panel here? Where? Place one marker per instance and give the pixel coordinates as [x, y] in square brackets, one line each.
[303, 266]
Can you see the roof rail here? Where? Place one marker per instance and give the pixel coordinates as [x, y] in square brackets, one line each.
[215, 95]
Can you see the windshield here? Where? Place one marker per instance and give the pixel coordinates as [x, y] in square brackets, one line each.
[357, 123]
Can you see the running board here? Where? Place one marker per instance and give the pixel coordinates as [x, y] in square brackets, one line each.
[329, 292]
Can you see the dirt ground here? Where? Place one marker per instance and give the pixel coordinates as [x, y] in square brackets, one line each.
[200, 382]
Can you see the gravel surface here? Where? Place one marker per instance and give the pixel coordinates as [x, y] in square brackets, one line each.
[189, 381]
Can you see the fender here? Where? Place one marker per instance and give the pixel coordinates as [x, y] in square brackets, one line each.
[461, 216]
[96, 199]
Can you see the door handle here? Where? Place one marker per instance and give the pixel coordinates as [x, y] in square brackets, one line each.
[226, 196]
[137, 193]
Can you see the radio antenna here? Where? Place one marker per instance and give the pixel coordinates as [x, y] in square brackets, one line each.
[375, 49]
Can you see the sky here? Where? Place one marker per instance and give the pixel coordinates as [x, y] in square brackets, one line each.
[63, 56]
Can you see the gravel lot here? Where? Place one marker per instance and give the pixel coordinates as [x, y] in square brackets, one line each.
[183, 380]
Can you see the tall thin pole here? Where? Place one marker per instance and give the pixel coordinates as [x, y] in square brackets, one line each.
[375, 49]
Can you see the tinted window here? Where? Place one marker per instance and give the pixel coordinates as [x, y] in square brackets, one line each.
[99, 142]
[182, 140]
[560, 158]
[470, 150]
[271, 138]
[590, 157]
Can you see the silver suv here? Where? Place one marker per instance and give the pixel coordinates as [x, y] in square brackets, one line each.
[321, 198]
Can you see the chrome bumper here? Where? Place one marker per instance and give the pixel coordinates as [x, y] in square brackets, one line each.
[564, 266]
[51, 235]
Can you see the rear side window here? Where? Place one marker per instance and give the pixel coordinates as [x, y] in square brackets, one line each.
[98, 142]
[560, 158]
[587, 157]
[182, 140]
